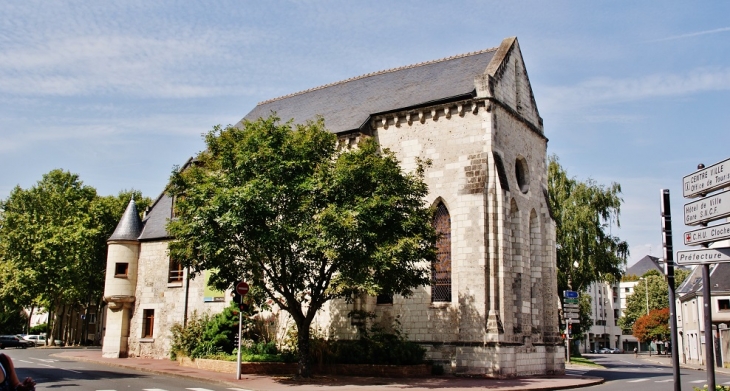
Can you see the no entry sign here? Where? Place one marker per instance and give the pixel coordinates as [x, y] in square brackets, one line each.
[242, 288]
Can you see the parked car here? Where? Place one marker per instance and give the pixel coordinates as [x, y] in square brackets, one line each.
[40, 340]
[604, 351]
[616, 351]
[11, 341]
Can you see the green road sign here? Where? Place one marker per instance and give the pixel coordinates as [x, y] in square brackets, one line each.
[570, 301]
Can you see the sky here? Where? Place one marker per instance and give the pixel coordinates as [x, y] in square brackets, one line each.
[632, 92]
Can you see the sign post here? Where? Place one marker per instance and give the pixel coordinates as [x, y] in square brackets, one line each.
[571, 314]
[241, 288]
[707, 209]
[666, 213]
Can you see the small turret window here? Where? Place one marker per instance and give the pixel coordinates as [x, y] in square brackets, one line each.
[121, 270]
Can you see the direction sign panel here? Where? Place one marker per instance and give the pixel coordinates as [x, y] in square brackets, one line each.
[707, 179]
[570, 306]
[705, 255]
[570, 301]
[570, 294]
[570, 315]
[572, 321]
[707, 209]
[707, 234]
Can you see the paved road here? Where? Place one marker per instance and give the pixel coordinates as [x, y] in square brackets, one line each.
[626, 373]
[53, 373]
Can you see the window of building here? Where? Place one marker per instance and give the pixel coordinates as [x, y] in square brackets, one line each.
[121, 269]
[384, 299]
[175, 271]
[92, 318]
[441, 269]
[627, 290]
[148, 326]
[723, 304]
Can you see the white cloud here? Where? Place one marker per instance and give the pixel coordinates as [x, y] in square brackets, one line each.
[690, 35]
[606, 90]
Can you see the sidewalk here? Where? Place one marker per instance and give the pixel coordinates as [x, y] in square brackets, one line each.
[333, 383]
[667, 360]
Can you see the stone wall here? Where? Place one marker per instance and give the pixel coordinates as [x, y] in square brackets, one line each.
[166, 299]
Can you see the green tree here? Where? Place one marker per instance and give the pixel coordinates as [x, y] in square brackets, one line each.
[282, 208]
[641, 302]
[53, 242]
[584, 212]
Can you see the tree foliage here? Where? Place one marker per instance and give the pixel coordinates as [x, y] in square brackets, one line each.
[584, 212]
[282, 208]
[640, 301]
[652, 327]
[53, 242]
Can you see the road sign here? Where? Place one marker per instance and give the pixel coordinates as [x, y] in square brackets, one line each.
[707, 234]
[570, 301]
[707, 209]
[571, 315]
[569, 306]
[707, 179]
[574, 321]
[242, 288]
[703, 256]
[570, 294]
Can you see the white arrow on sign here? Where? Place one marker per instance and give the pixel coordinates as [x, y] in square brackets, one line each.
[707, 234]
[707, 209]
[705, 255]
[707, 179]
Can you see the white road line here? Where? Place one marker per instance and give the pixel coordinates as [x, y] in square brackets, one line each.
[664, 381]
[46, 365]
[27, 362]
[71, 370]
[239, 389]
[199, 389]
[727, 382]
[154, 389]
[697, 381]
[637, 380]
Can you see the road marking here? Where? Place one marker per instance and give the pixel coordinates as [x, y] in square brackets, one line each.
[727, 382]
[154, 389]
[46, 365]
[239, 389]
[637, 380]
[664, 381]
[697, 381]
[199, 389]
[71, 370]
[27, 362]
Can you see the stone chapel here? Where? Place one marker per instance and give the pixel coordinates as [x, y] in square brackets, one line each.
[492, 308]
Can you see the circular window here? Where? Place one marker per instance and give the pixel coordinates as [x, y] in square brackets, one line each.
[522, 172]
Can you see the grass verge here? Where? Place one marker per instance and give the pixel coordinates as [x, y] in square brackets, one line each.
[584, 361]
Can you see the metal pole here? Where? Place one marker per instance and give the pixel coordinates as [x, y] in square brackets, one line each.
[709, 342]
[238, 360]
[669, 259]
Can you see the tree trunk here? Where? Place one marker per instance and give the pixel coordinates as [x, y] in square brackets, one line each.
[305, 369]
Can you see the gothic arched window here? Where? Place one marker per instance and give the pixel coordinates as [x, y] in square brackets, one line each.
[441, 269]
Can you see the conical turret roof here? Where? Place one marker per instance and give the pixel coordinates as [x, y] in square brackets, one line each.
[130, 226]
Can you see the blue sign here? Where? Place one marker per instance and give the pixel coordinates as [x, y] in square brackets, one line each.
[570, 294]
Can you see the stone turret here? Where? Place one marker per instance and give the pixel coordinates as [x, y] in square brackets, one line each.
[121, 281]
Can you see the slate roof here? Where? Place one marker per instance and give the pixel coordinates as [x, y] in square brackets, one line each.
[157, 218]
[644, 265]
[129, 226]
[347, 105]
[719, 280]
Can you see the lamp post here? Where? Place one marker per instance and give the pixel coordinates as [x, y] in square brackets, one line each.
[646, 294]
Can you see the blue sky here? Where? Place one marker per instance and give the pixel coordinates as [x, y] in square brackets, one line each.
[119, 92]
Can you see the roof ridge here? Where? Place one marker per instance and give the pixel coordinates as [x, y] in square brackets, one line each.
[454, 57]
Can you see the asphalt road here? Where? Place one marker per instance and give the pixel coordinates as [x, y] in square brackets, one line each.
[626, 373]
[52, 373]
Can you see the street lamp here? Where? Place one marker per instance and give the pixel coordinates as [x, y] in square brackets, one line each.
[646, 292]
